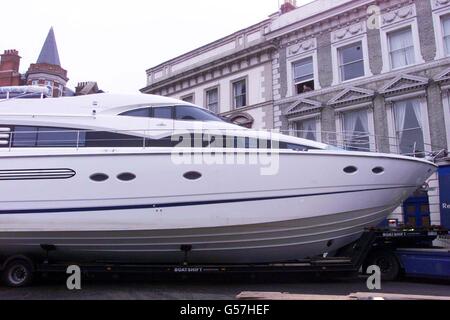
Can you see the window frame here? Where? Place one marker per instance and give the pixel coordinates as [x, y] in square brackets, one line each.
[342, 64]
[207, 90]
[233, 97]
[318, 126]
[309, 79]
[292, 87]
[390, 102]
[335, 47]
[385, 46]
[438, 22]
[339, 121]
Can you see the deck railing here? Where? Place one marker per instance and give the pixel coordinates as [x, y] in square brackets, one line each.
[355, 141]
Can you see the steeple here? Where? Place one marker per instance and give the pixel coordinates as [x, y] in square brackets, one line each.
[49, 53]
[47, 71]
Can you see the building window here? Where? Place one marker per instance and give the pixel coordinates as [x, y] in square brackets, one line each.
[212, 100]
[304, 75]
[189, 98]
[408, 127]
[240, 93]
[351, 61]
[401, 48]
[307, 129]
[446, 33]
[356, 130]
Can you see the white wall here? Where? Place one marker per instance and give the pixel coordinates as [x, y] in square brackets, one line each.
[255, 89]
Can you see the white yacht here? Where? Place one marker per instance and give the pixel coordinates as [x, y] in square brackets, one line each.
[116, 178]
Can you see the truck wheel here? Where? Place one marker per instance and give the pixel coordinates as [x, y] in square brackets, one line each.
[388, 264]
[17, 273]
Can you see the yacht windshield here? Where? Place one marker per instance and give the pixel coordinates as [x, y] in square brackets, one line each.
[182, 113]
[194, 114]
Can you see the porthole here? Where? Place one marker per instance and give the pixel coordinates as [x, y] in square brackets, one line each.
[99, 177]
[378, 170]
[192, 175]
[351, 169]
[127, 176]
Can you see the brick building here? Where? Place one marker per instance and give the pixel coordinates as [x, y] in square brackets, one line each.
[361, 74]
[9, 68]
[46, 72]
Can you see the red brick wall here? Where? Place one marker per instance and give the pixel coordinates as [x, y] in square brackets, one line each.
[9, 68]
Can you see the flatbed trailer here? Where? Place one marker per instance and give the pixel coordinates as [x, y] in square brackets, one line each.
[374, 247]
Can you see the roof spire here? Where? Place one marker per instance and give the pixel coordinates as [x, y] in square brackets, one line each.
[49, 53]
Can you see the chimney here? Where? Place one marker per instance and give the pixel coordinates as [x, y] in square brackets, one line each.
[10, 61]
[288, 6]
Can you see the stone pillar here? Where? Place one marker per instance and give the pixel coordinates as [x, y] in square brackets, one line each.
[426, 29]
[381, 124]
[375, 54]
[328, 124]
[324, 60]
[436, 116]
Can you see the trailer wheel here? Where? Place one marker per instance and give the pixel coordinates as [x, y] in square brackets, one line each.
[388, 264]
[17, 273]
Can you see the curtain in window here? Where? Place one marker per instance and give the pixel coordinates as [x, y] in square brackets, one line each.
[307, 129]
[418, 113]
[408, 122]
[400, 117]
[402, 48]
[356, 130]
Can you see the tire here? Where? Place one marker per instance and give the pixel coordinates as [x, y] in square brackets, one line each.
[388, 264]
[17, 273]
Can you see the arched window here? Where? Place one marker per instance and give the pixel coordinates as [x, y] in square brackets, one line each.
[242, 119]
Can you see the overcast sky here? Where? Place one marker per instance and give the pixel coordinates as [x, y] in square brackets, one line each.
[113, 42]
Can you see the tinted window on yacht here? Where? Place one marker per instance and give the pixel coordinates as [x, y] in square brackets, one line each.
[162, 112]
[26, 136]
[189, 113]
[140, 113]
[110, 139]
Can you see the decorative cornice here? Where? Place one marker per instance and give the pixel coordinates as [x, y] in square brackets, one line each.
[351, 95]
[403, 83]
[399, 15]
[302, 106]
[443, 76]
[302, 47]
[438, 4]
[348, 32]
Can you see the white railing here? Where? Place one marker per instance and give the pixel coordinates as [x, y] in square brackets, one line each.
[140, 138]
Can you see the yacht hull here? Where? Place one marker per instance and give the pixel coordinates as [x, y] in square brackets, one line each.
[294, 214]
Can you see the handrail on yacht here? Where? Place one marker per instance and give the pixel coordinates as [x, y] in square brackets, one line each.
[354, 141]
